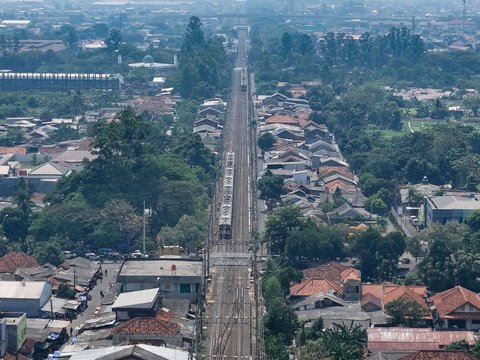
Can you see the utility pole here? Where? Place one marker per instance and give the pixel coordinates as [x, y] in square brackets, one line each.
[144, 228]
[463, 16]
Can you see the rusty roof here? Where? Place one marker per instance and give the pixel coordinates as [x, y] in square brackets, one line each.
[450, 300]
[413, 339]
[438, 355]
[16, 259]
[282, 119]
[315, 286]
[147, 325]
[20, 150]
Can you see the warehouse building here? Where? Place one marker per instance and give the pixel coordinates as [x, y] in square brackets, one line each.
[176, 278]
[13, 81]
[24, 296]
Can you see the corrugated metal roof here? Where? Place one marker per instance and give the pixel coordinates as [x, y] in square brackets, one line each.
[413, 339]
[136, 299]
[21, 289]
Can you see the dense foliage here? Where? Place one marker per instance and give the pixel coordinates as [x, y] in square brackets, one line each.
[204, 66]
[102, 206]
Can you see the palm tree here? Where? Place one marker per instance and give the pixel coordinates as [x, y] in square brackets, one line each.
[344, 342]
[23, 198]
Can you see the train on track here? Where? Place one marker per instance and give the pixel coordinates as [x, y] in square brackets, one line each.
[226, 207]
[243, 83]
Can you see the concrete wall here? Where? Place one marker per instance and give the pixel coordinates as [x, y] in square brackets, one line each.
[172, 340]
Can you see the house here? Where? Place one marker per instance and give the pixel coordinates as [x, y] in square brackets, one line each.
[334, 182]
[375, 297]
[439, 355]
[347, 212]
[319, 161]
[413, 339]
[314, 286]
[134, 304]
[148, 329]
[10, 262]
[177, 279]
[207, 121]
[284, 119]
[24, 296]
[332, 278]
[13, 331]
[73, 159]
[129, 352]
[457, 308]
[449, 208]
[326, 171]
[210, 111]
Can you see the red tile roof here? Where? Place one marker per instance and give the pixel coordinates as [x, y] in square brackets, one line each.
[315, 286]
[282, 119]
[450, 300]
[329, 271]
[350, 274]
[147, 325]
[405, 292]
[16, 259]
[438, 355]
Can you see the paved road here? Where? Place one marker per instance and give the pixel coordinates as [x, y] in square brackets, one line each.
[110, 278]
[230, 296]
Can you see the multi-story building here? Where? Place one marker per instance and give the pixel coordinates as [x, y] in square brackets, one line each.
[13, 81]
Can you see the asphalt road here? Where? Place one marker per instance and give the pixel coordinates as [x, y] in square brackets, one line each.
[229, 319]
[89, 313]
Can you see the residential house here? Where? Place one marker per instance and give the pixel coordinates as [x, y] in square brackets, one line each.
[215, 103]
[313, 286]
[413, 339]
[286, 119]
[73, 159]
[375, 297]
[345, 278]
[337, 181]
[319, 161]
[347, 212]
[150, 330]
[210, 111]
[13, 260]
[457, 308]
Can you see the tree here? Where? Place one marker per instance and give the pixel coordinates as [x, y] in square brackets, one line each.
[49, 252]
[461, 345]
[436, 270]
[344, 342]
[271, 290]
[65, 292]
[473, 221]
[101, 30]
[406, 312]
[376, 205]
[266, 141]
[15, 224]
[473, 103]
[193, 36]
[113, 40]
[280, 223]
[379, 254]
[314, 242]
[271, 187]
[22, 198]
[281, 320]
[275, 348]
